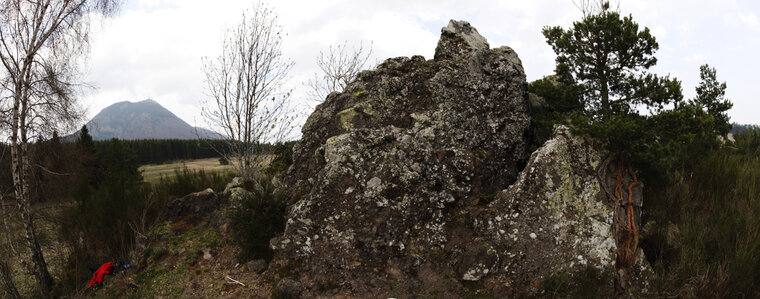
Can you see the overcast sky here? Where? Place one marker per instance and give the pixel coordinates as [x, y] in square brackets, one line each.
[153, 48]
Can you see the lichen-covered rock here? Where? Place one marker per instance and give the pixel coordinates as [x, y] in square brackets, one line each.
[459, 38]
[235, 183]
[554, 220]
[404, 184]
[382, 164]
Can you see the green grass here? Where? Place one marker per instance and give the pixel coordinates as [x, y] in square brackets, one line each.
[721, 224]
[193, 242]
[167, 269]
[717, 210]
[159, 281]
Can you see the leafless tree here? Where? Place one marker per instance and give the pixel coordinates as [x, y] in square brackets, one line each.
[339, 67]
[41, 43]
[593, 7]
[248, 104]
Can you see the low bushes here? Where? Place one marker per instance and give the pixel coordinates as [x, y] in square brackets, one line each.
[715, 212]
[255, 217]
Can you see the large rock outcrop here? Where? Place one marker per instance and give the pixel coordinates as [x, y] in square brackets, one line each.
[382, 164]
[555, 222]
[397, 184]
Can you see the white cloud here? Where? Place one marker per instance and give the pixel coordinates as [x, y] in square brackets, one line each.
[696, 58]
[153, 49]
[660, 32]
[749, 19]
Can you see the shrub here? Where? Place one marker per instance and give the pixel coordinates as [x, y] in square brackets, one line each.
[186, 181]
[721, 220]
[716, 206]
[101, 226]
[283, 158]
[255, 218]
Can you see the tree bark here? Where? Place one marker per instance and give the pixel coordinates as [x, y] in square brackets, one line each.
[20, 169]
[605, 94]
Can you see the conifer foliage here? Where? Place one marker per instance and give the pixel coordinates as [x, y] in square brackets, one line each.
[608, 56]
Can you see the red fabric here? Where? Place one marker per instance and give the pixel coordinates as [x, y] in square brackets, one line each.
[102, 271]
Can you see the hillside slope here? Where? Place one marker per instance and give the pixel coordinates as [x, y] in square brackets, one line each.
[146, 119]
[189, 255]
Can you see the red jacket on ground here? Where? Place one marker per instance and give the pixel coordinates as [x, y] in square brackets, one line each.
[97, 279]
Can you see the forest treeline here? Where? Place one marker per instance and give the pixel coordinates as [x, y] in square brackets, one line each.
[737, 128]
[93, 196]
[159, 151]
[59, 163]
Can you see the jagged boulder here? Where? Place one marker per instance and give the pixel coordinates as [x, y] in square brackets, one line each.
[381, 164]
[406, 183]
[555, 222]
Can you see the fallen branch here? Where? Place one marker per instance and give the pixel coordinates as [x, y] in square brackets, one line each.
[232, 281]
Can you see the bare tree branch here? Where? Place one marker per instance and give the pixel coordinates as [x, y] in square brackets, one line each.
[249, 106]
[593, 7]
[339, 67]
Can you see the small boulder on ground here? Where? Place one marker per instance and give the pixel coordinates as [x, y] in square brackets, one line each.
[192, 207]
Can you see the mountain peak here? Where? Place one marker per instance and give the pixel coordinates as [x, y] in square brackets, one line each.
[148, 101]
[145, 119]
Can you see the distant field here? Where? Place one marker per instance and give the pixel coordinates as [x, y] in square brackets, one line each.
[153, 172]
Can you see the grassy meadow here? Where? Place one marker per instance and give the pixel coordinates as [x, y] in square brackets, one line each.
[152, 172]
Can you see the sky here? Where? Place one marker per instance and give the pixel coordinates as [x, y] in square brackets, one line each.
[153, 48]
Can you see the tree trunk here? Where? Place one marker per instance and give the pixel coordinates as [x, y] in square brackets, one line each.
[5, 271]
[604, 86]
[20, 168]
[7, 276]
[605, 95]
[605, 100]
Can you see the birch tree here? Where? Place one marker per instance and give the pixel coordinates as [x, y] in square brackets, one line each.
[245, 84]
[41, 45]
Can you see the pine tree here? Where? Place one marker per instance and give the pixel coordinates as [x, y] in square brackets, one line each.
[711, 97]
[607, 55]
